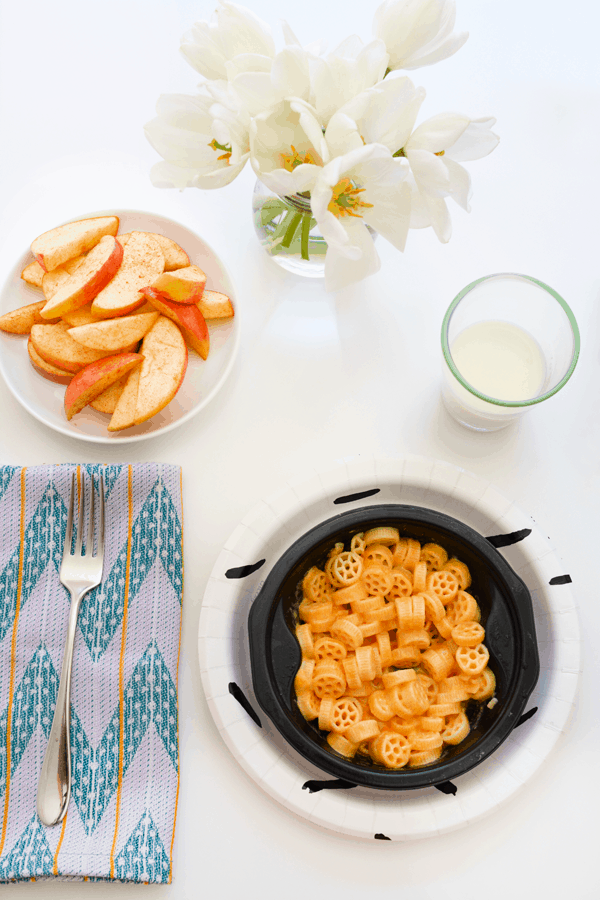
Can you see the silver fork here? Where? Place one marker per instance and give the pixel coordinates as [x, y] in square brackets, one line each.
[79, 573]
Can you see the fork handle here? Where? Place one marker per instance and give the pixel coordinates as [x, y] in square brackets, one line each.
[54, 786]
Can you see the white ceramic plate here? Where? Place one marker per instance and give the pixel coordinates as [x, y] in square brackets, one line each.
[246, 560]
[44, 398]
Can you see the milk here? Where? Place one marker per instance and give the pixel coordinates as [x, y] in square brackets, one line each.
[499, 359]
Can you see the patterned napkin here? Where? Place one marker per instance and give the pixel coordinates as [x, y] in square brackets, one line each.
[121, 817]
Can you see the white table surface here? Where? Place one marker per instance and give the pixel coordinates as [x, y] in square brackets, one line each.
[320, 377]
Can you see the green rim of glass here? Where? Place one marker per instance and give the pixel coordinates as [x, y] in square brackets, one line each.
[469, 387]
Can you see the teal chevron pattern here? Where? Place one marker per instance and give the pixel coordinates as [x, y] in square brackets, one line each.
[156, 534]
[126, 760]
[150, 699]
[30, 856]
[6, 476]
[143, 857]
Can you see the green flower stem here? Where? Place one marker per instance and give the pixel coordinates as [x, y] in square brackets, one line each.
[295, 220]
[306, 225]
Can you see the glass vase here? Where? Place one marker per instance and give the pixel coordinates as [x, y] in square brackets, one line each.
[288, 231]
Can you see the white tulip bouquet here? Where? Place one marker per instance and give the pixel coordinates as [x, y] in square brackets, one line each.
[333, 135]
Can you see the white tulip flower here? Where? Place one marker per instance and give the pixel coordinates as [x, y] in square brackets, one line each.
[287, 147]
[433, 151]
[350, 69]
[203, 139]
[365, 188]
[384, 114]
[233, 33]
[417, 32]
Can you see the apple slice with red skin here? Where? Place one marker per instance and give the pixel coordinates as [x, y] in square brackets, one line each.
[143, 262]
[21, 321]
[114, 334]
[50, 371]
[187, 316]
[95, 378]
[33, 274]
[181, 286]
[95, 272]
[54, 247]
[162, 371]
[57, 347]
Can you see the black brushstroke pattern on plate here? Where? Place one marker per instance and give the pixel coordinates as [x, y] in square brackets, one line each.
[236, 692]
[507, 540]
[244, 571]
[360, 495]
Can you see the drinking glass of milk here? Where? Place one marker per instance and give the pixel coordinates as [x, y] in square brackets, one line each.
[508, 342]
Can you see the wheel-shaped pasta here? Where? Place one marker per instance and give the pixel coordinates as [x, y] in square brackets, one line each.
[460, 571]
[357, 544]
[456, 729]
[391, 749]
[328, 679]
[351, 672]
[329, 648]
[434, 556]
[468, 634]
[345, 712]
[420, 577]
[472, 660]
[363, 731]
[377, 555]
[425, 740]
[346, 568]
[444, 584]
[399, 551]
[377, 579]
[305, 639]
[392, 649]
[304, 676]
[316, 585]
[308, 704]
[341, 745]
[383, 534]
[380, 706]
[402, 585]
[420, 758]
[462, 609]
[487, 686]
[434, 608]
[347, 633]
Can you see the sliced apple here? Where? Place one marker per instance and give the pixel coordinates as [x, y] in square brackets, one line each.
[81, 316]
[98, 268]
[106, 402]
[54, 247]
[175, 256]
[160, 376]
[187, 316]
[56, 346]
[143, 261]
[124, 414]
[21, 321]
[93, 379]
[46, 368]
[182, 286]
[33, 274]
[114, 334]
[51, 281]
[215, 305]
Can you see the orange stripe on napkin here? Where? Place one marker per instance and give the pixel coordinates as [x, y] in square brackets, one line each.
[121, 668]
[58, 846]
[13, 645]
[176, 683]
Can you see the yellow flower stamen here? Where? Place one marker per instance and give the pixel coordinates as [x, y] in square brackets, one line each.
[289, 161]
[216, 146]
[441, 153]
[345, 200]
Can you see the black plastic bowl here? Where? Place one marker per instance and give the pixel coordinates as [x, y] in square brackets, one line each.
[506, 613]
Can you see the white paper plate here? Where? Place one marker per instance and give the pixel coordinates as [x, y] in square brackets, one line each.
[266, 532]
[203, 379]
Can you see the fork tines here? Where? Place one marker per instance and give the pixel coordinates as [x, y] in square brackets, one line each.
[89, 544]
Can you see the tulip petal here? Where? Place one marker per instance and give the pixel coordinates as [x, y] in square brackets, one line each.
[441, 51]
[430, 172]
[390, 215]
[290, 75]
[460, 184]
[438, 133]
[475, 142]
